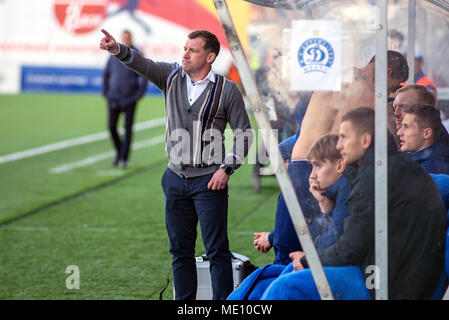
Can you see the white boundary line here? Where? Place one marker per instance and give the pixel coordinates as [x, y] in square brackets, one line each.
[106, 155]
[30, 228]
[77, 141]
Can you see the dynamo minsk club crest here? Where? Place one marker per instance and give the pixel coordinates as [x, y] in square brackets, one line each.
[315, 55]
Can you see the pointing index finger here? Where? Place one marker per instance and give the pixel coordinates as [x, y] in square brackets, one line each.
[106, 33]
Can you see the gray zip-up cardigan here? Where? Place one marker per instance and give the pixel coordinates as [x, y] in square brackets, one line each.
[195, 134]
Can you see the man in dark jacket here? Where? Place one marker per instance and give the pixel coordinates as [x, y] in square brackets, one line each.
[122, 88]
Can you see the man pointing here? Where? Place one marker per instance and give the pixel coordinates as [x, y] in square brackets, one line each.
[198, 106]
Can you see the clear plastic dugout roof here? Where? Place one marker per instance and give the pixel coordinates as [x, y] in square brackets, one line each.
[310, 62]
[301, 46]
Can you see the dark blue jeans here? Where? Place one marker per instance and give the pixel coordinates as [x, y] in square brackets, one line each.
[188, 200]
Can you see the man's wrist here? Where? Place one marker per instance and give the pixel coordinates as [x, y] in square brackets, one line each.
[124, 53]
[118, 50]
[227, 169]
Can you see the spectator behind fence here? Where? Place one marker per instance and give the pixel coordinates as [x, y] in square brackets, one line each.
[122, 88]
[421, 127]
[198, 104]
[416, 226]
[331, 190]
[420, 78]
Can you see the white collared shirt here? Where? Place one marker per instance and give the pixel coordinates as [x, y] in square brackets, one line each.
[195, 89]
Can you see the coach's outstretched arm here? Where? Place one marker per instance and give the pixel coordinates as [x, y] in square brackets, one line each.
[108, 43]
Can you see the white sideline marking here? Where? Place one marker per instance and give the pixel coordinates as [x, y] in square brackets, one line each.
[77, 141]
[30, 228]
[106, 155]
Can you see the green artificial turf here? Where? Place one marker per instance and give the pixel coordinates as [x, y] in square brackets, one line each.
[107, 222]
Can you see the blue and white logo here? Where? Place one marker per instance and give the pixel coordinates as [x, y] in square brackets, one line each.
[316, 55]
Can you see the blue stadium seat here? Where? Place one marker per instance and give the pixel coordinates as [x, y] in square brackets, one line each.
[442, 284]
[446, 260]
[442, 183]
[446, 253]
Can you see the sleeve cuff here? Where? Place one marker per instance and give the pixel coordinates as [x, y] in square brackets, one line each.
[271, 237]
[304, 262]
[118, 52]
[232, 160]
[124, 54]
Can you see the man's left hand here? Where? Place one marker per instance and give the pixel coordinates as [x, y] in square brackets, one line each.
[219, 180]
[296, 258]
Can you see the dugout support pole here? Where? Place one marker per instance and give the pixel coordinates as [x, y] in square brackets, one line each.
[271, 143]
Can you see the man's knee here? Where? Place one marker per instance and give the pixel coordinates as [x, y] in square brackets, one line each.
[296, 285]
[277, 289]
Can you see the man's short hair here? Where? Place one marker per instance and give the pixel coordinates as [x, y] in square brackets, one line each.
[425, 96]
[325, 148]
[398, 65]
[362, 119]
[127, 32]
[211, 42]
[426, 117]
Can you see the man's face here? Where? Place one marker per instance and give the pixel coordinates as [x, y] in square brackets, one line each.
[195, 58]
[350, 144]
[410, 134]
[324, 173]
[403, 100]
[126, 39]
[393, 85]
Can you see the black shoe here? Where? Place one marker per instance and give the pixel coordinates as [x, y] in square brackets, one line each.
[122, 164]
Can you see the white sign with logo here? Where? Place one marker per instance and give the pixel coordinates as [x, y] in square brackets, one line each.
[316, 55]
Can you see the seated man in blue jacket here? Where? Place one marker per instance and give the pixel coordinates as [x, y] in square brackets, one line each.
[330, 188]
[122, 88]
[418, 135]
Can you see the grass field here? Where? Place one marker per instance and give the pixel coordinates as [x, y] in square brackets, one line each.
[108, 222]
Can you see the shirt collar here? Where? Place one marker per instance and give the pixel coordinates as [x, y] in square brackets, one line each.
[431, 151]
[332, 191]
[210, 76]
